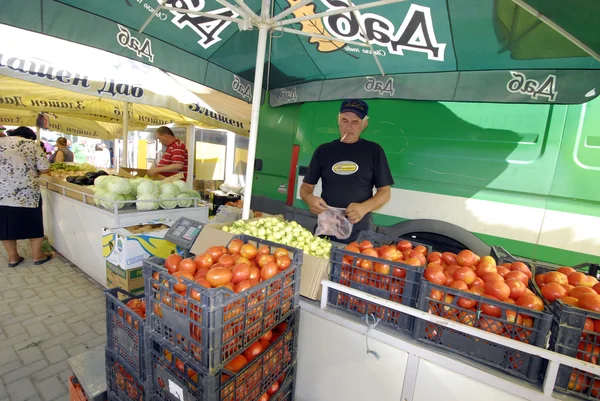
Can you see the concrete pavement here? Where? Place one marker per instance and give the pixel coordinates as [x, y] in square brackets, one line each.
[48, 314]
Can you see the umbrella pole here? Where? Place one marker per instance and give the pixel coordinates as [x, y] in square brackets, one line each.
[256, 98]
[125, 133]
[190, 134]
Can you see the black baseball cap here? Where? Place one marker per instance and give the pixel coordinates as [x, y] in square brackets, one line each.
[356, 106]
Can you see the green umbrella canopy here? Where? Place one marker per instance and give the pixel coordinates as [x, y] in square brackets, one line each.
[453, 50]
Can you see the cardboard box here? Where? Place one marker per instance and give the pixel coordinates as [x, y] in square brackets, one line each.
[127, 172]
[65, 188]
[313, 269]
[127, 249]
[131, 280]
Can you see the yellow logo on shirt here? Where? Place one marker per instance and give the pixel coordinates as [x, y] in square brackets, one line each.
[345, 168]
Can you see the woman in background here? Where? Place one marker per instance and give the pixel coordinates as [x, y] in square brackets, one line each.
[62, 154]
[21, 163]
[101, 157]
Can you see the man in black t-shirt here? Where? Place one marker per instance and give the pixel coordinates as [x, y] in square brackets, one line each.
[349, 169]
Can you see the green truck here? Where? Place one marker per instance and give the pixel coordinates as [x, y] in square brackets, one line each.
[522, 176]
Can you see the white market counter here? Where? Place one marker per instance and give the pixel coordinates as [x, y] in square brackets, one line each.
[333, 364]
[74, 227]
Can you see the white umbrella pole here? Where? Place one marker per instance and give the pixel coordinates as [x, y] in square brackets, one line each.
[256, 98]
[190, 133]
[125, 133]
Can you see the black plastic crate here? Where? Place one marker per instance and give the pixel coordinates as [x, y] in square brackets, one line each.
[172, 372]
[218, 324]
[121, 382]
[570, 337]
[533, 329]
[125, 329]
[400, 285]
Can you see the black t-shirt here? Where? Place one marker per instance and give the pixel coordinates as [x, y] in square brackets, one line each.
[349, 172]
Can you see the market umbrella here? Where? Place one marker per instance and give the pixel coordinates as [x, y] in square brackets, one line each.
[451, 50]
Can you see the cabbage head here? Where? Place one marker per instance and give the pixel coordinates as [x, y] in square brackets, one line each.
[167, 204]
[101, 181]
[146, 202]
[181, 185]
[119, 185]
[148, 187]
[109, 200]
[169, 189]
[184, 201]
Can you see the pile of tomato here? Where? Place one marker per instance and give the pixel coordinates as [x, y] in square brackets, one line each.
[137, 306]
[475, 275]
[127, 383]
[582, 291]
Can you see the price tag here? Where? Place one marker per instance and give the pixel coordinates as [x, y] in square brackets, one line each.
[176, 390]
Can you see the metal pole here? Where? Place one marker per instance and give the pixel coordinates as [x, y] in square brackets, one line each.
[116, 154]
[38, 133]
[256, 98]
[125, 133]
[191, 148]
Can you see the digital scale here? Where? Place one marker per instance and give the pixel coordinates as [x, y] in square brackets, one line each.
[183, 233]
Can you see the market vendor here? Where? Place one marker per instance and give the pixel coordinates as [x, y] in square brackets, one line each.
[175, 158]
[349, 168]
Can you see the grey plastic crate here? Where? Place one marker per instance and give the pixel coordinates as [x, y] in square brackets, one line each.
[125, 330]
[172, 371]
[121, 381]
[402, 288]
[509, 360]
[568, 334]
[222, 323]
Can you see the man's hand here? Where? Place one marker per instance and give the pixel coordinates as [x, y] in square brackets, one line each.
[153, 171]
[317, 205]
[355, 212]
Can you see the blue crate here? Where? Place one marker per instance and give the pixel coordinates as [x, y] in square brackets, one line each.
[171, 371]
[125, 330]
[221, 324]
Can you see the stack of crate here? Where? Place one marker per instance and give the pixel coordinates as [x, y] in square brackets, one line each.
[215, 345]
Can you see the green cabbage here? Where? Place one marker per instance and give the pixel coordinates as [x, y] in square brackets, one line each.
[169, 189]
[109, 200]
[101, 181]
[119, 185]
[148, 187]
[184, 201]
[181, 185]
[167, 204]
[98, 193]
[146, 202]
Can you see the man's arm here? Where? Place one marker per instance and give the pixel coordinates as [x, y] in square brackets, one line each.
[166, 169]
[316, 204]
[356, 211]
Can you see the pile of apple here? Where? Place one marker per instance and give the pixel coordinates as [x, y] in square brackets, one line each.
[481, 276]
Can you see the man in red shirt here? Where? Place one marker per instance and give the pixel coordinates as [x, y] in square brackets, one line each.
[175, 158]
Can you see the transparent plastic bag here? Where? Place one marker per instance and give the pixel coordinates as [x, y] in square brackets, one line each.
[333, 222]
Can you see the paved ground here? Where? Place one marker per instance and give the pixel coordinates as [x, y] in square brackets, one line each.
[48, 314]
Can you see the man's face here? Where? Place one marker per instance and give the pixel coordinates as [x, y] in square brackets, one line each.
[351, 126]
[162, 138]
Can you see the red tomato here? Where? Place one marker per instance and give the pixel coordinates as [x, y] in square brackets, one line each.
[596, 288]
[487, 277]
[253, 351]
[518, 275]
[478, 283]
[577, 278]
[235, 245]
[589, 352]
[404, 245]
[370, 252]
[242, 286]
[201, 273]
[187, 265]
[365, 245]
[491, 325]
[570, 301]
[267, 336]
[273, 389]
[576, 292]
[566, 270]
[497, 289]
[459, 285]
[434, 257]
[254, 273]
[578, 381]
[204, 261]
[449, 258]
[264, 249]
[421, 249]
[522, 267]
[419, 256]
[388, 253]
[477, 290]
[434, 275]
[269, 270]
[491, 310]
[556, 277]
[219, 276]
[264, 397]
[381, 268]
[215, 252]
[484, 268]
[466, 258]
[488, 260]
[553, 291]
[436, 294]
[540, 280]
[530, 301]
[597, 326]
[227, 260]
[589, 324]
[283, 262]
[240, 273]
[517, 288]
[265, 258]
[590, 302]
[180, 287]
[171, 263]
[237, 364]
[465, 274]
[466, 303]
[248, 251]
[502, 271]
